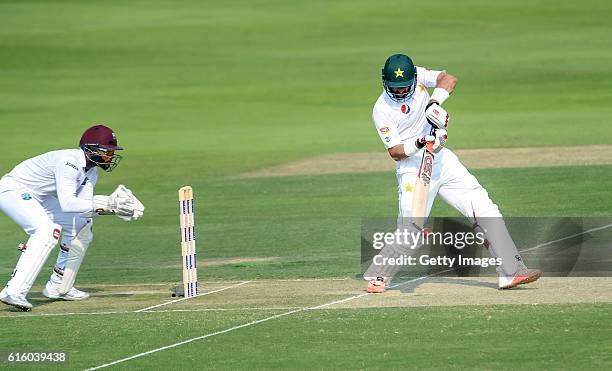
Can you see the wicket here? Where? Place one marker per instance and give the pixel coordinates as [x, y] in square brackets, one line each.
[190, 271]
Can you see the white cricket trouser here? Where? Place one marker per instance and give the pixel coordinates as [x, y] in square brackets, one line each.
[35, 215]
[460, 189]
[452, 182]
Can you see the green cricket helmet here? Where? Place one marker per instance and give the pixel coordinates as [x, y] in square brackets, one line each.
[399, 77]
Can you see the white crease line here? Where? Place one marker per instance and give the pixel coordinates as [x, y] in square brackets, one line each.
[567, 237]
[368, 293]
[244, 325]
[197, 296]
[216, 282]
[220, 309]
[66, 314]
[133, 284]
[196, 338]
[305, 279]
[263, 309]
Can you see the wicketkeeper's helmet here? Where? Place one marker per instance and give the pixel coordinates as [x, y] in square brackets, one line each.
[98, 141]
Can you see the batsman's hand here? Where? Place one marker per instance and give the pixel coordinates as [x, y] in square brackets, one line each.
[436, 115]
[438, 138]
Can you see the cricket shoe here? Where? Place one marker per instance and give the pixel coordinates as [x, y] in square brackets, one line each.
[51, 291]
[377, 286]
[523, 276]
[16, 300]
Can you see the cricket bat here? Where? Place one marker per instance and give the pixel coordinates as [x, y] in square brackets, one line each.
[420, 192]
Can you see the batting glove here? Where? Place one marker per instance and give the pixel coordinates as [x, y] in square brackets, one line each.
[438, 139]
[436, 115]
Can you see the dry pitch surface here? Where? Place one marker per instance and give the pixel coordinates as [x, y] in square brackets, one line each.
[482, 158]
[309, 294]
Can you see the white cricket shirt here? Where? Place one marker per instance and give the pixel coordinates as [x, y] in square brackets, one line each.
[404, 122]
[59, 174]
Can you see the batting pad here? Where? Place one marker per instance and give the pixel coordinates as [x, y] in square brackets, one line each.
[76, 254]
[37, 251]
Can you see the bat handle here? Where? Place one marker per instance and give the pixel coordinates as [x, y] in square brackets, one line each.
[429, 146]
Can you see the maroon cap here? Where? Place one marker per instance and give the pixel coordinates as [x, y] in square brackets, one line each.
[100, 135]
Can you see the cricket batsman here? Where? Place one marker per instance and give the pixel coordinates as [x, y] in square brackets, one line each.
[51, 197]
[407, 120]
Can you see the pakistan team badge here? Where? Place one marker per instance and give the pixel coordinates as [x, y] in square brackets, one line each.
[26, 196]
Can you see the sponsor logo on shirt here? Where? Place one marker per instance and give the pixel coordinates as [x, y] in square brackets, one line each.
[384, 130]
[405, 109]
[72, 166]
[387, 139]
[26, 196]
[56, 233]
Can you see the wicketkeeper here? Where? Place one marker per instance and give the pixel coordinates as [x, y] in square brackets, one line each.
[51, 197]
[404, 116]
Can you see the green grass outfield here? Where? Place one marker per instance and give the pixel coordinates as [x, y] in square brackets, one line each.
[424, 338]
[199, 92]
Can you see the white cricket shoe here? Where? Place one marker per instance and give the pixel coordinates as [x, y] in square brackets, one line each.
[17, 300]
[51, 291]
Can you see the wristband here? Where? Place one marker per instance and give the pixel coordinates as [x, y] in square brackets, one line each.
[410, 150]
[439, 95]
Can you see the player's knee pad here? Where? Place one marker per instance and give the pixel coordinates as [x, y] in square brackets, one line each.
[76, 253]
[41, 243]
[47, 235]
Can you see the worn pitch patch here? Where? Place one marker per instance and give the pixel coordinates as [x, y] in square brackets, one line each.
[483, 158]
[453, 291]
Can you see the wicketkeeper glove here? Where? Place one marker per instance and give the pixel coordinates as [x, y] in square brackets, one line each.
[113, 205]
[138, 207]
